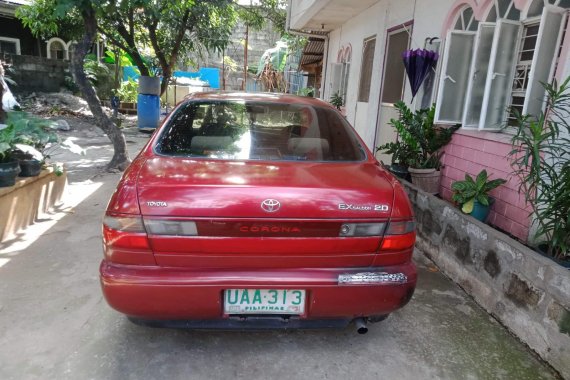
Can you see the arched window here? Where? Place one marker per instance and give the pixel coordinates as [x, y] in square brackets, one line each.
[341, 71]
[503, 9]
[56, 49]
[536, 6]
[457, 58]
[466, 20]
[491, 74]
[70, 49]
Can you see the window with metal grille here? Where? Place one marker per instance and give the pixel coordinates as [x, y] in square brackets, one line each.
[366, 69]
[525, 54]
[490, 74]
[9, 45]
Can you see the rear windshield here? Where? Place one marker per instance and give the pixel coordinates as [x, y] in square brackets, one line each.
[259, 131]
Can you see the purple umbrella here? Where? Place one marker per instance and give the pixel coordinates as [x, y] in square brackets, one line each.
[418, 64]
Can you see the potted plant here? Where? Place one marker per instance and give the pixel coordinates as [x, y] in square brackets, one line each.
[25, 139]
[402, 151]
[541, 160]
[9, 166]
[128, 93]
[473, 194]
[423, 141]
[336, 101]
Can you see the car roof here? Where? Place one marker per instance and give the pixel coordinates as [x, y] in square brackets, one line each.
[266, 97]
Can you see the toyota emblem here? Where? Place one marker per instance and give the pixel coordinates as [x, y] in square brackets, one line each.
[270, 205]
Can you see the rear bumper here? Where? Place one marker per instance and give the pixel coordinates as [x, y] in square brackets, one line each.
[168, 294]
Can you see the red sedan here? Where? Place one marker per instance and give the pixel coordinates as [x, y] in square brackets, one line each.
[257, 211]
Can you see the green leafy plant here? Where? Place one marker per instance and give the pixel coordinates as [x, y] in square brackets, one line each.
[419, 140]
[405, 149]
[470, 190]
[426, 138]
[307, 91]
[336, 100]
[95, 71]
[70, 84]
[541, 160]
[25, 135]
[128, 92]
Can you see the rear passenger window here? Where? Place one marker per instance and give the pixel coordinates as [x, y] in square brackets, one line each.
[259, 131]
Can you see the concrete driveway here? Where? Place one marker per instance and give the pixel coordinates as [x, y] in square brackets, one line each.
[54, 323]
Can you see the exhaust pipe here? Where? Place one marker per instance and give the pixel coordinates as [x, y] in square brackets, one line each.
[360, 324]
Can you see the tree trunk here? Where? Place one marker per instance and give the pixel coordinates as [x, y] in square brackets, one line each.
[164, 82]
[120, 158]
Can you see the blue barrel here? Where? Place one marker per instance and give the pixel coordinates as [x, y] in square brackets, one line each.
[148, 109]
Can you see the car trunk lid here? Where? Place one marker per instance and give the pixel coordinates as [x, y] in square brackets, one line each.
[256, 214]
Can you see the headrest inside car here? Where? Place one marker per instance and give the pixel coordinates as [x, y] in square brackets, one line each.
[313, 148]
[211, 142]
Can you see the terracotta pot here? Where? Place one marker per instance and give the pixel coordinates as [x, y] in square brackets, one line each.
[426, 179]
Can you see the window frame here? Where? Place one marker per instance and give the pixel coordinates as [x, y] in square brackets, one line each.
[16, 41]
[491, 75]
[538, 52]
[443, 75]
[404, 28]
[472, 73]
[541, 51]
[362, 63]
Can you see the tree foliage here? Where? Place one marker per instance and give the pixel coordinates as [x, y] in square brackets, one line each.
[162, 29]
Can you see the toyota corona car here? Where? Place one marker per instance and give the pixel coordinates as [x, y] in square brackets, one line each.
[257, 211]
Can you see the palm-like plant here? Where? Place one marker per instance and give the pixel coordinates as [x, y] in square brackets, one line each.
[541, 160]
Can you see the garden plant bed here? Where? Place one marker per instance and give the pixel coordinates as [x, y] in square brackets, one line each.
[527, 292]
[30, 197]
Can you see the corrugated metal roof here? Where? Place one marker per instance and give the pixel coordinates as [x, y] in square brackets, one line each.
[313, 51]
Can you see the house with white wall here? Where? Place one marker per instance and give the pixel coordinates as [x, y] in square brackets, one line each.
[494, 54]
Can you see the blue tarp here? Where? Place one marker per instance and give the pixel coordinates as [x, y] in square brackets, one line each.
[206, 74]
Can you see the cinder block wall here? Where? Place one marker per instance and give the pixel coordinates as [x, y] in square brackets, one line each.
[36, 74]
[470, 152]
[528, 293]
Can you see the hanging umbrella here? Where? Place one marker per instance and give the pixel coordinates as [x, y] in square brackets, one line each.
[418, 64]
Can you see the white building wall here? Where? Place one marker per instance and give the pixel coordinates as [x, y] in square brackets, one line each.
[353, 32]
[428, 18]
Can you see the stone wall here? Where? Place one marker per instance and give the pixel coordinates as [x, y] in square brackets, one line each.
[528, 293]
[36, 74]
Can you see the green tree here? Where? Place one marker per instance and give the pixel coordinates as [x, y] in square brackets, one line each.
[85, 13]
[163, 29]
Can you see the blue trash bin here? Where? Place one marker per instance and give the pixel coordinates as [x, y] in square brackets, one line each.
[148, 109]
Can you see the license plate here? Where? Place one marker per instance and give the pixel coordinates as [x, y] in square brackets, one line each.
[264, 301]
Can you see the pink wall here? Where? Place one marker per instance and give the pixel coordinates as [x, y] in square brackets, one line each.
[470, 152]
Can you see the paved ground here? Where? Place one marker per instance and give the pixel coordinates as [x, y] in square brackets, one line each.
[54, 323]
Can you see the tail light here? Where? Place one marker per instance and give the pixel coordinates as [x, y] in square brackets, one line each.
[362, 229]
[399, 235]
[125, 240]
[171, 227]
